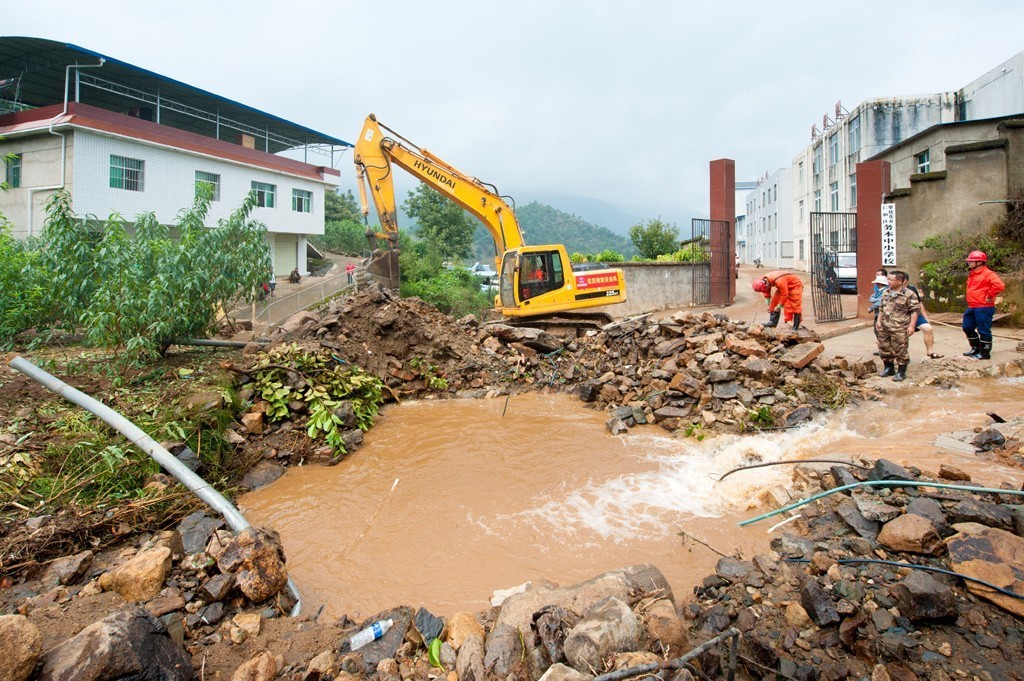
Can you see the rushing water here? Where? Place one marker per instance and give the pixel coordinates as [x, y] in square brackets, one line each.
[447, 501]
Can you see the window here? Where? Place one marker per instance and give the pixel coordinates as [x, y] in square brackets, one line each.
[800, 172]
[12, 174]
[801, 249]
[801, 214]
[302, 201]
[853, 136]
[816, 164]
[817, 200]
[853, 190]
[775, 193]
[127, 173]
[924, 163]
[265, 194]
[834, 196]
[833, 150]
[210, 179]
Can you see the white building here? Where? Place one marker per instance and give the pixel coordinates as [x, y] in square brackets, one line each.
[125, 140]
[768, 223]
[823, 175]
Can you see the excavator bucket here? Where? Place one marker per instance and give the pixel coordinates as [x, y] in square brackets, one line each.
[383, 269]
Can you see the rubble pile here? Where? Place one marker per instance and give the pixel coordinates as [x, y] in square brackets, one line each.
[830, 603]
[708, 370]
[687, 370]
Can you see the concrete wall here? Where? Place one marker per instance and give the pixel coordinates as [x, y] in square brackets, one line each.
[654, 286]
[40, 167]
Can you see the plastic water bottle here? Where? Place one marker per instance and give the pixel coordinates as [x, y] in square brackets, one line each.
[370, 633]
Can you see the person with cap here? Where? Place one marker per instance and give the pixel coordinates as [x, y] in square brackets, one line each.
[789, 294]
[983, 289]
[896, 322]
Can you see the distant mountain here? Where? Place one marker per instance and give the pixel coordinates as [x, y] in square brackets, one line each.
[594, 211]
[542, 224]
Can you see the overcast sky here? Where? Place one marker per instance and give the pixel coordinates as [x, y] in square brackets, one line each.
[624, 102]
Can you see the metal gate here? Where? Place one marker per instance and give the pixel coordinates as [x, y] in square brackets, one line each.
[833, 251]
[714, 267]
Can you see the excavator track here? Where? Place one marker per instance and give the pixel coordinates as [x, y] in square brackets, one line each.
[577, 321]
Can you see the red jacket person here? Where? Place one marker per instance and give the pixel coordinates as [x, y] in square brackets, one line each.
[983, 289]
[789, 294]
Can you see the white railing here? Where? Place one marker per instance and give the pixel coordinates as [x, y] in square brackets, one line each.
[273, 311]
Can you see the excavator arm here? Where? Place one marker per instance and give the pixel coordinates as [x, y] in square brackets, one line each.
[535, 281]
[376, 151]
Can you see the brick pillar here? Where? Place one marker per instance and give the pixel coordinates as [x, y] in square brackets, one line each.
[723, 207]
[872, 186]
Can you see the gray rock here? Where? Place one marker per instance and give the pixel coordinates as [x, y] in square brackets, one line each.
[974, 511]
[733, 569]
[68, 570]
[932, 510]
[990, 438]
[843, 476]
[818, 604]
[875, 509]
[725, 391]
[920, 596]
[213, 613]
[607, 628]
[261, 475]
[721, 376]
[385, 647]
[791, 546]
[850, 513]
[887, 470]
[196, 530]
[131, 644]
[504, 649]
[470, 663]
[217, 587]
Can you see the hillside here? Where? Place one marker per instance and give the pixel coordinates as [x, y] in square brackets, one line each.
[542, 224]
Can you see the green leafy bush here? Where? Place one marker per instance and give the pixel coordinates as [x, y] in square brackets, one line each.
[23, 286]
[345, 236]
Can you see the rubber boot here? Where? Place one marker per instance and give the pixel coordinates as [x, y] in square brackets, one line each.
[985, 351]
[773, 318]
[889, 370]
[797, 317]
[901, 373]
[975, 341]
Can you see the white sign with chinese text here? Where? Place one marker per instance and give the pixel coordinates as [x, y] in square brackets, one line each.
[888, 235]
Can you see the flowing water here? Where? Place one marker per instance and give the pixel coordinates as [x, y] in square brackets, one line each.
[448, 501]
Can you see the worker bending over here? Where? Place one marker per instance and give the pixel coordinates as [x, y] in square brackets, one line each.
[788, 297]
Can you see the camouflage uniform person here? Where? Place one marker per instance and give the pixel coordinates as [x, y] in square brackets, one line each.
[897, 316]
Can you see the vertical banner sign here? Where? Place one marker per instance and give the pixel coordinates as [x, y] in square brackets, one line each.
[888, 235]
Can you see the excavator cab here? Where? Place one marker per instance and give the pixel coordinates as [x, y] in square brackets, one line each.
[538, 280]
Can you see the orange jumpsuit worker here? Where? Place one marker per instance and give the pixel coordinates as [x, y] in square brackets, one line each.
[789, 293]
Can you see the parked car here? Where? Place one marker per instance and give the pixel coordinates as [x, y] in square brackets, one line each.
[846, 271]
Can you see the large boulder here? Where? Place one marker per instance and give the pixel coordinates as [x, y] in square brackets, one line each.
[142, 577]
[131, 644]
[256, 558]
[993, 555]
[21, 644]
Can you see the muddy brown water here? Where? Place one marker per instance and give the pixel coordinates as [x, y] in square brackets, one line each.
[448, 501]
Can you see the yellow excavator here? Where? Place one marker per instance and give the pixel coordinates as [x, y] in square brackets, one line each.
[534, 281]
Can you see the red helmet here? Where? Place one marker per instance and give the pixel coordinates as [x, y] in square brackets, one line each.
[977, 256]
[759, 285]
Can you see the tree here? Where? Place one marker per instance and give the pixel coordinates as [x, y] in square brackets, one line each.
[654, 238]
[338, 207]
[441, 222]
[135, 290]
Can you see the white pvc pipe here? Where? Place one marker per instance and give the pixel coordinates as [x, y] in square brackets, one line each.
[140, 439]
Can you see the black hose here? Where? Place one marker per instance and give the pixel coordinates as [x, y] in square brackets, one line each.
[797, 461]
[914, 566]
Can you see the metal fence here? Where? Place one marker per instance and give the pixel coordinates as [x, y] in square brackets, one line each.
[713, 284]
[832, 234]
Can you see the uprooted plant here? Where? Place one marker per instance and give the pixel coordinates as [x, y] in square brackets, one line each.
[339, 397]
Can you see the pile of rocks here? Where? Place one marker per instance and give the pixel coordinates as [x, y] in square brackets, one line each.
[708, 370]
[679, 371]
[196, 585]
[823, 604]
